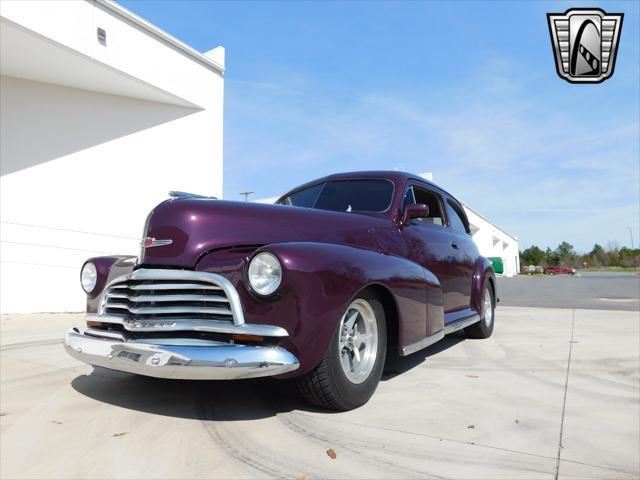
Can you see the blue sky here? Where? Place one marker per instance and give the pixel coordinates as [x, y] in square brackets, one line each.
[466, 90]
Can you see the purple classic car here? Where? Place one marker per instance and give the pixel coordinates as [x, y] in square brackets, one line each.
[340, 275]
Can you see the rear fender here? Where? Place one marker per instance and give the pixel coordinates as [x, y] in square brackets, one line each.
[483, 274]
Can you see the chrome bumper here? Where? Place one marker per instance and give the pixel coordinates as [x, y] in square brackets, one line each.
[221, 361]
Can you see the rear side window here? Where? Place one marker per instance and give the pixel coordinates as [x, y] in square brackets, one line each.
[304, 198]
[431, 200]
[457, 220]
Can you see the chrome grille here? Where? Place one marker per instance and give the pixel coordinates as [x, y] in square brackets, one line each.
[153, 295]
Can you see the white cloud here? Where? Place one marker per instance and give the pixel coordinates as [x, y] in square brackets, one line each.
[545, 174]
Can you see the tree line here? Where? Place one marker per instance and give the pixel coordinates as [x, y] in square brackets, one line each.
[564, 254]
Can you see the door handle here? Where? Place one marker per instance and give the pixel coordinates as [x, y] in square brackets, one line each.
[455, 245]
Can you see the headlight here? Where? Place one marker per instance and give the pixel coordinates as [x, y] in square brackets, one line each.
[88, 277]
[265, 273]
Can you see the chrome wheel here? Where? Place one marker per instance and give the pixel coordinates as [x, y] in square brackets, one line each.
[358, 346]
[488, 308]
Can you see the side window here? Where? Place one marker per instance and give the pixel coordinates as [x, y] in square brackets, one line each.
[409, 199]
[303, 198]
[457, 220]
[432, 201]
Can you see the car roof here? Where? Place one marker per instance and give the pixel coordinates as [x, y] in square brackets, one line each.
[397, 177]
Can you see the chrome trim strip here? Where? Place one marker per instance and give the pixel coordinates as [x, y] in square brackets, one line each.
[190, 342]
[96, 332]
[462, 323]
[178, 324]
[160, 310]
[165, 274]
[181, 361]
[420, 344]
[166, 286]
[170, 298]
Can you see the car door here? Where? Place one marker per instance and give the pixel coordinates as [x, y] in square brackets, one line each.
[465, 253]
[429, 243]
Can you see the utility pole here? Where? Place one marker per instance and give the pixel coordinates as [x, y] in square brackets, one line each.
[246, 195]
[631, 235]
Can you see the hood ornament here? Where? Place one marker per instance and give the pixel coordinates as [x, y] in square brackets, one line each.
[174, 194]
[148, 242]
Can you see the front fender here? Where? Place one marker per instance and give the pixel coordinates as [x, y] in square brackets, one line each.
[321, 279]
[108, 268]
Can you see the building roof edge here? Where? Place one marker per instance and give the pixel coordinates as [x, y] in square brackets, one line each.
[467, 207]
[158, 33]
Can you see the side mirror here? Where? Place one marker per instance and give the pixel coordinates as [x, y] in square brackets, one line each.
[415, 210]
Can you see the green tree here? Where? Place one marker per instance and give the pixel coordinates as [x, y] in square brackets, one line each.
[565, 254]
[532, 256]
[629, 257]
[598, 256]
[551, 257]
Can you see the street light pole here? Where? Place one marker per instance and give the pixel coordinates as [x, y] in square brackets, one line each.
[631, 235]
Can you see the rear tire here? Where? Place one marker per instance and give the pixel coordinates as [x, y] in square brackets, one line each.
[345, 380]
[484, 328]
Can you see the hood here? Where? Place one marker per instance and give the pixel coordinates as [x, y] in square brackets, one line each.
[199, 226]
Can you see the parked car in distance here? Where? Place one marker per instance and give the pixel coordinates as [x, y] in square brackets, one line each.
[339, 275]
[557, 270]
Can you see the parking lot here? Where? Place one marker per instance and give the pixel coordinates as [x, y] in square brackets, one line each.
[554, 393]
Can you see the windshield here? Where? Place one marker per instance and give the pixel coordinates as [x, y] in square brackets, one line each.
[344, 196]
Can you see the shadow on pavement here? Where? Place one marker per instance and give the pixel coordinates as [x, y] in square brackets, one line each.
[216, 400]
[230, 400]
[402, 364]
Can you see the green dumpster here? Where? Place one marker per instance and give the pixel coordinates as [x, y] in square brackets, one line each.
[498, 264]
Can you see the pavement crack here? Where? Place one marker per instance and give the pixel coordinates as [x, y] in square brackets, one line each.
[564, 400]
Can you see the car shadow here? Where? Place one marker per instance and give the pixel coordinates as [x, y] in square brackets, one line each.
[237, 400]
[399, 365]
[247, 399]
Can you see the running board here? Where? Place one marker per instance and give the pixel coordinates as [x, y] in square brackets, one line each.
[439, 335]
[424, 343]
[462, 323]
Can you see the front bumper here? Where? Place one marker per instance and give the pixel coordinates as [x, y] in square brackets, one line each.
[221, 361]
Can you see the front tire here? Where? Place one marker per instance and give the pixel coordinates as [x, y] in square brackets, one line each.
[350, 371]
[484, 328]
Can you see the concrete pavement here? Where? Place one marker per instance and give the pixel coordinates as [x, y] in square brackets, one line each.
[586, 290]
[554, 393]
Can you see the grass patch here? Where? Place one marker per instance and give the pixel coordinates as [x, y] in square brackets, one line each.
[611, 269]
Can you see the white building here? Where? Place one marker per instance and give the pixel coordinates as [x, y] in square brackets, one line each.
[101, 114]
[494, 242]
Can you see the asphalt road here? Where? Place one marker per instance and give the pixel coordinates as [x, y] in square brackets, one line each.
[590, 290]
[554, 393]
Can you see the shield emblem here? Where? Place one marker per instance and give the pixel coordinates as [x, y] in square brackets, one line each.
[585, 43]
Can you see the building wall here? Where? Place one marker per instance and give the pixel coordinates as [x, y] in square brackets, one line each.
[494, 242]
[82, 167]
